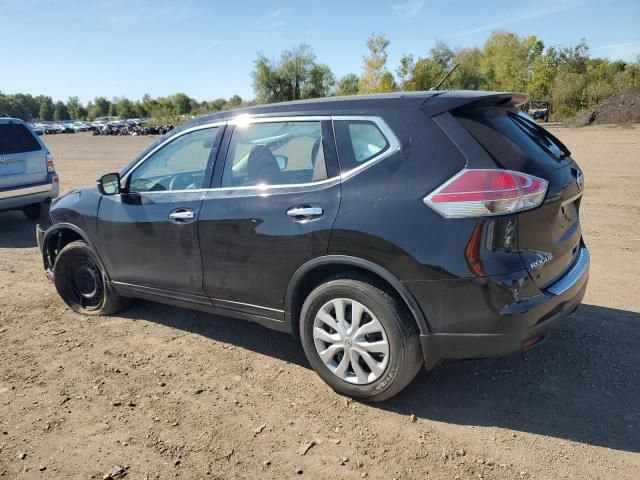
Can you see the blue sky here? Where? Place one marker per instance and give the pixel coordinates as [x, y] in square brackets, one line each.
[207, 48]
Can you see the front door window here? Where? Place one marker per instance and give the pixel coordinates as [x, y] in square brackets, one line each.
[178, 165]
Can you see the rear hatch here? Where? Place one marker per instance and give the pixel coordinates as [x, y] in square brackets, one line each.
[548, 237]
[23, 161]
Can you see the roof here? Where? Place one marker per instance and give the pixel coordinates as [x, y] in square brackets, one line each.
[356, 103]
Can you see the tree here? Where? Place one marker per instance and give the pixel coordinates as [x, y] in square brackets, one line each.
[374, 66]
[426, 74]
[320, 82]
[404, 72]
[347, 85]
[46, 109]
[468, 75]
[60, 111]
[100, 107]
[507, 60]
[543, 73]
[113, 107]
[181, 103]
[233, 102]
[14, 107]
[126, 108]
[74, 107]
[443, 55]
[294, 76]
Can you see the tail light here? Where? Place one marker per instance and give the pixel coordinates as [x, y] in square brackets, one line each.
[479, 193]
[50, 168]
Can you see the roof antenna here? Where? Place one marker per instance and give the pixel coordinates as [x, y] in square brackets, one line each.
[437, 87]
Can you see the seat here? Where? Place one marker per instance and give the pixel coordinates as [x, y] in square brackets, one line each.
[262, 167]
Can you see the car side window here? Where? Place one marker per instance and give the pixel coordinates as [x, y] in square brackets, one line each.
[178, 165]
[275, 153]
[358, 141]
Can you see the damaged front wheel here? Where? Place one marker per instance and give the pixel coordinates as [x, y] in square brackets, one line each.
[82, 284]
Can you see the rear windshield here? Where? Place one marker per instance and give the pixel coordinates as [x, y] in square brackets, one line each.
[16, 138]
[513, 138]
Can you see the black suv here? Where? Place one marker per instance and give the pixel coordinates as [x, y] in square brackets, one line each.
[385, 232]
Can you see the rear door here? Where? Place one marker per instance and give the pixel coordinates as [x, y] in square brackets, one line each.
[548, 237]
[22, 157]
[276, 198]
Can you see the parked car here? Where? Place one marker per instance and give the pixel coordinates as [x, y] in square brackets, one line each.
[28, 180]
[50, 128]
[68, 127]
[539, 110]
[37, 128]
[384, 232]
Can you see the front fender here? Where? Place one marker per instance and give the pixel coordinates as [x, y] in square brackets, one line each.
[52, 240]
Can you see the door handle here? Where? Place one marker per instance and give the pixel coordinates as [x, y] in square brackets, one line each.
[302, 213]
[182, 215]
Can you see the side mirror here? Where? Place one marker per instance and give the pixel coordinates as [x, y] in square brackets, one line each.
[109, 184]
[283, 161]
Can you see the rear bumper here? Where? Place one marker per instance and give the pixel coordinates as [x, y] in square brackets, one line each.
[13, 198]
[532, 318]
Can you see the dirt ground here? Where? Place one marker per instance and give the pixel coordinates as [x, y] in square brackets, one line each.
[164, 392]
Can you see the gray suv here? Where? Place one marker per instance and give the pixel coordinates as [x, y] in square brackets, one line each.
[28, 180]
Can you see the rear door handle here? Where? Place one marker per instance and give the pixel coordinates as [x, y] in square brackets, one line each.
[182, 215]
[302, 213]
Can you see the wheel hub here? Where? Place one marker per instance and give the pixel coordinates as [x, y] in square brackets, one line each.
[87, 283]
[351, 341]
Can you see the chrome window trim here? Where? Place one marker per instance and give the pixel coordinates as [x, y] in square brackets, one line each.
[394, 143]
[393, 147]
[246, 120]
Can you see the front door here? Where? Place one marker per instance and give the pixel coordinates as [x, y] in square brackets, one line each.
[277, 198]
[148, 234]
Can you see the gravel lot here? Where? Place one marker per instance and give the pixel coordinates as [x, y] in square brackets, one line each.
[164, 392]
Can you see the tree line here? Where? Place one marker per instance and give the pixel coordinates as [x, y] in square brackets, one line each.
[42, 107]
[568, 76]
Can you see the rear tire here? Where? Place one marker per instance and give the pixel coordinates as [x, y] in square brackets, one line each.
[36, 211]
[374, 360]
[82, 284]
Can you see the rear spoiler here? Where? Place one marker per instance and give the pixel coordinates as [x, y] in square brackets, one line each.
[454, 100]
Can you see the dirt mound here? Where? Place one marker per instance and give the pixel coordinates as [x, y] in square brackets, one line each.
[622, 107]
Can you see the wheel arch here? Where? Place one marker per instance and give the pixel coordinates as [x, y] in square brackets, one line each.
[312, 273]
[61, 234]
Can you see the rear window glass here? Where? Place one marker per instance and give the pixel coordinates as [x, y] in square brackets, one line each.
[512, 138]
[16, 138]
[358, 141]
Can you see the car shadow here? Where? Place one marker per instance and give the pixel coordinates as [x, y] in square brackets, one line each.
[247, 335]
[582, 384]
[16, 231]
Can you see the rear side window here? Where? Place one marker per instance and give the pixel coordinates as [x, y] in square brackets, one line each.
[275, 153]
[358, 141]
[512, 138]
[16, 138]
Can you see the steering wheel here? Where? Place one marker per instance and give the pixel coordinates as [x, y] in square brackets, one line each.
[182, 181]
